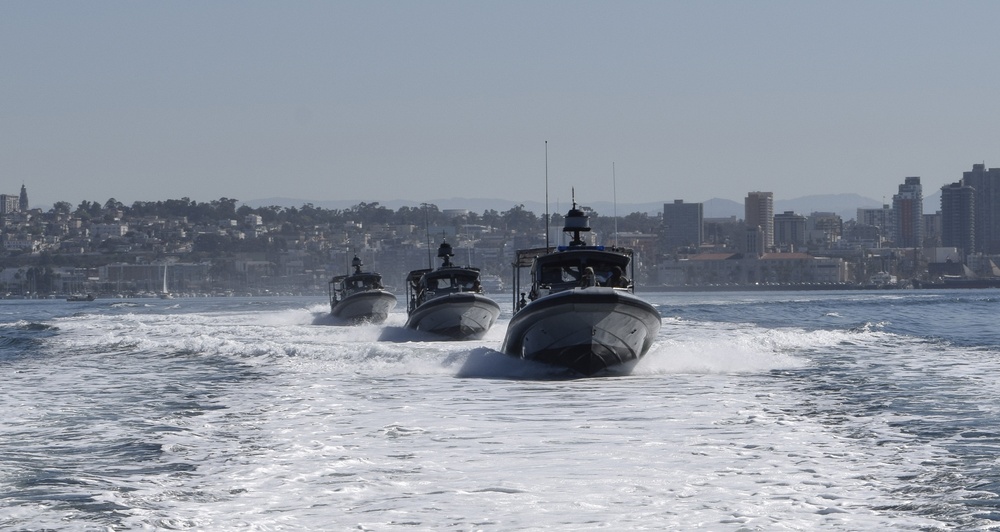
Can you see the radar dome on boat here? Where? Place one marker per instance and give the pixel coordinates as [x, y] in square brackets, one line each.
[356, 263]
[576, 220]
[444, 250]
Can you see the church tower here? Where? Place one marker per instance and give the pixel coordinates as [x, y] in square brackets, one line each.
[23, 202]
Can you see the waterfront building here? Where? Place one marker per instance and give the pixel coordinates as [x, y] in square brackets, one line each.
[789, 231]
[958, 217]
[753, 241]
[759, 212]
[682, 225]
[722, 233]
[715, 269]
[907, 214]
[880, 218]
[824, 228]
[932, 229]
[986, 184]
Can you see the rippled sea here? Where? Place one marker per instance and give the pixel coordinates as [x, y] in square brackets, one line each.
[752, 411]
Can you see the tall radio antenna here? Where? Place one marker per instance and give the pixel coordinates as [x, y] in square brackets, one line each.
[546, 196]
[614, 195]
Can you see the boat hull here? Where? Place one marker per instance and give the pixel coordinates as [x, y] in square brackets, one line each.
[588, 330]
[462, 316]
[372, 306]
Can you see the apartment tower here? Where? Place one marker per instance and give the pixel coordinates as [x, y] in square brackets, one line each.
[958, 216]
[682, 225]
[907, 214]
[986, 186]
[759, 209]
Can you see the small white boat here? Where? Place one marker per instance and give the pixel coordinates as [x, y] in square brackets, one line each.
[581, 312]
[449, 300]
[883, 279]
[360, 296]
[164, 293]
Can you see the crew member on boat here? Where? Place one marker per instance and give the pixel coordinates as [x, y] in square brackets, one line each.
[617, 279]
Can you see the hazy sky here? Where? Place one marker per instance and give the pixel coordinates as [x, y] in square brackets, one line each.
[375, 101]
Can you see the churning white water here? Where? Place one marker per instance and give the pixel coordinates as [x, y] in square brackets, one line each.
[763, 411]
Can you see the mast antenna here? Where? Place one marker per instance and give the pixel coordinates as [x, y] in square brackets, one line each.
[427, 232]
[614, 188]
[546, 196]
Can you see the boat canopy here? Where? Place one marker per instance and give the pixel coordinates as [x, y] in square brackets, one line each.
[359, 281]
[563, 271]
[427, 284]
[413, 278]
[450, 279]
[342, 286]
[555, 271]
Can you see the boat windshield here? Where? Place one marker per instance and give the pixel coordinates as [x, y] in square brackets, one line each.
[456, 281]
[446, 281]
[559, 272]
[346, 285]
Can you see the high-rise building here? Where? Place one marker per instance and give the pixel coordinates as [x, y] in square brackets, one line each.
[759, 210]
[932, 229]
[824, 227]
[8, 203]
[23, 199]
[789, 230]
[880, 218]
[682, 225]
[907, 214]
[958, 215]
[986, 184]
[753, 241]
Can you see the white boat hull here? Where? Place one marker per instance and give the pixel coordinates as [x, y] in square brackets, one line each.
[462, 316]
[372, 306]
[588, 330]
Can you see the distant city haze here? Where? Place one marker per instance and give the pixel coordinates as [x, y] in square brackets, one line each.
[639, 102]
[845, 205]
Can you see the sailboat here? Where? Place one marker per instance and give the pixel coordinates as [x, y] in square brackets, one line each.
[164, 293]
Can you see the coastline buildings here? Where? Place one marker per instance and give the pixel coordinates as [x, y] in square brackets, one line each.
[732, 269]
[958, 217]
[824, 228]
[682, 225]
[759, 215]
[986, 186]
[879, 218]
[9, 203]
[258, 249]
[907, 214]
[789, 231]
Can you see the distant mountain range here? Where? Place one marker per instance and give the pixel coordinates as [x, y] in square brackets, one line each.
[845, 205]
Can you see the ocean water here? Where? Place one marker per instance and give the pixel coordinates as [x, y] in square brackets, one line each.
[752, 411]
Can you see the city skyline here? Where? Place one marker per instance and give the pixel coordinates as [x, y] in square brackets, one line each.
[842, 204]
[349, 100]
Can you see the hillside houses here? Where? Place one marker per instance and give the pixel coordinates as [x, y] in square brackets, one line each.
[219, 248]
[113, 252]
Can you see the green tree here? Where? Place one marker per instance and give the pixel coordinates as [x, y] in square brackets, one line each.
[61, 207]
[521, 220]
